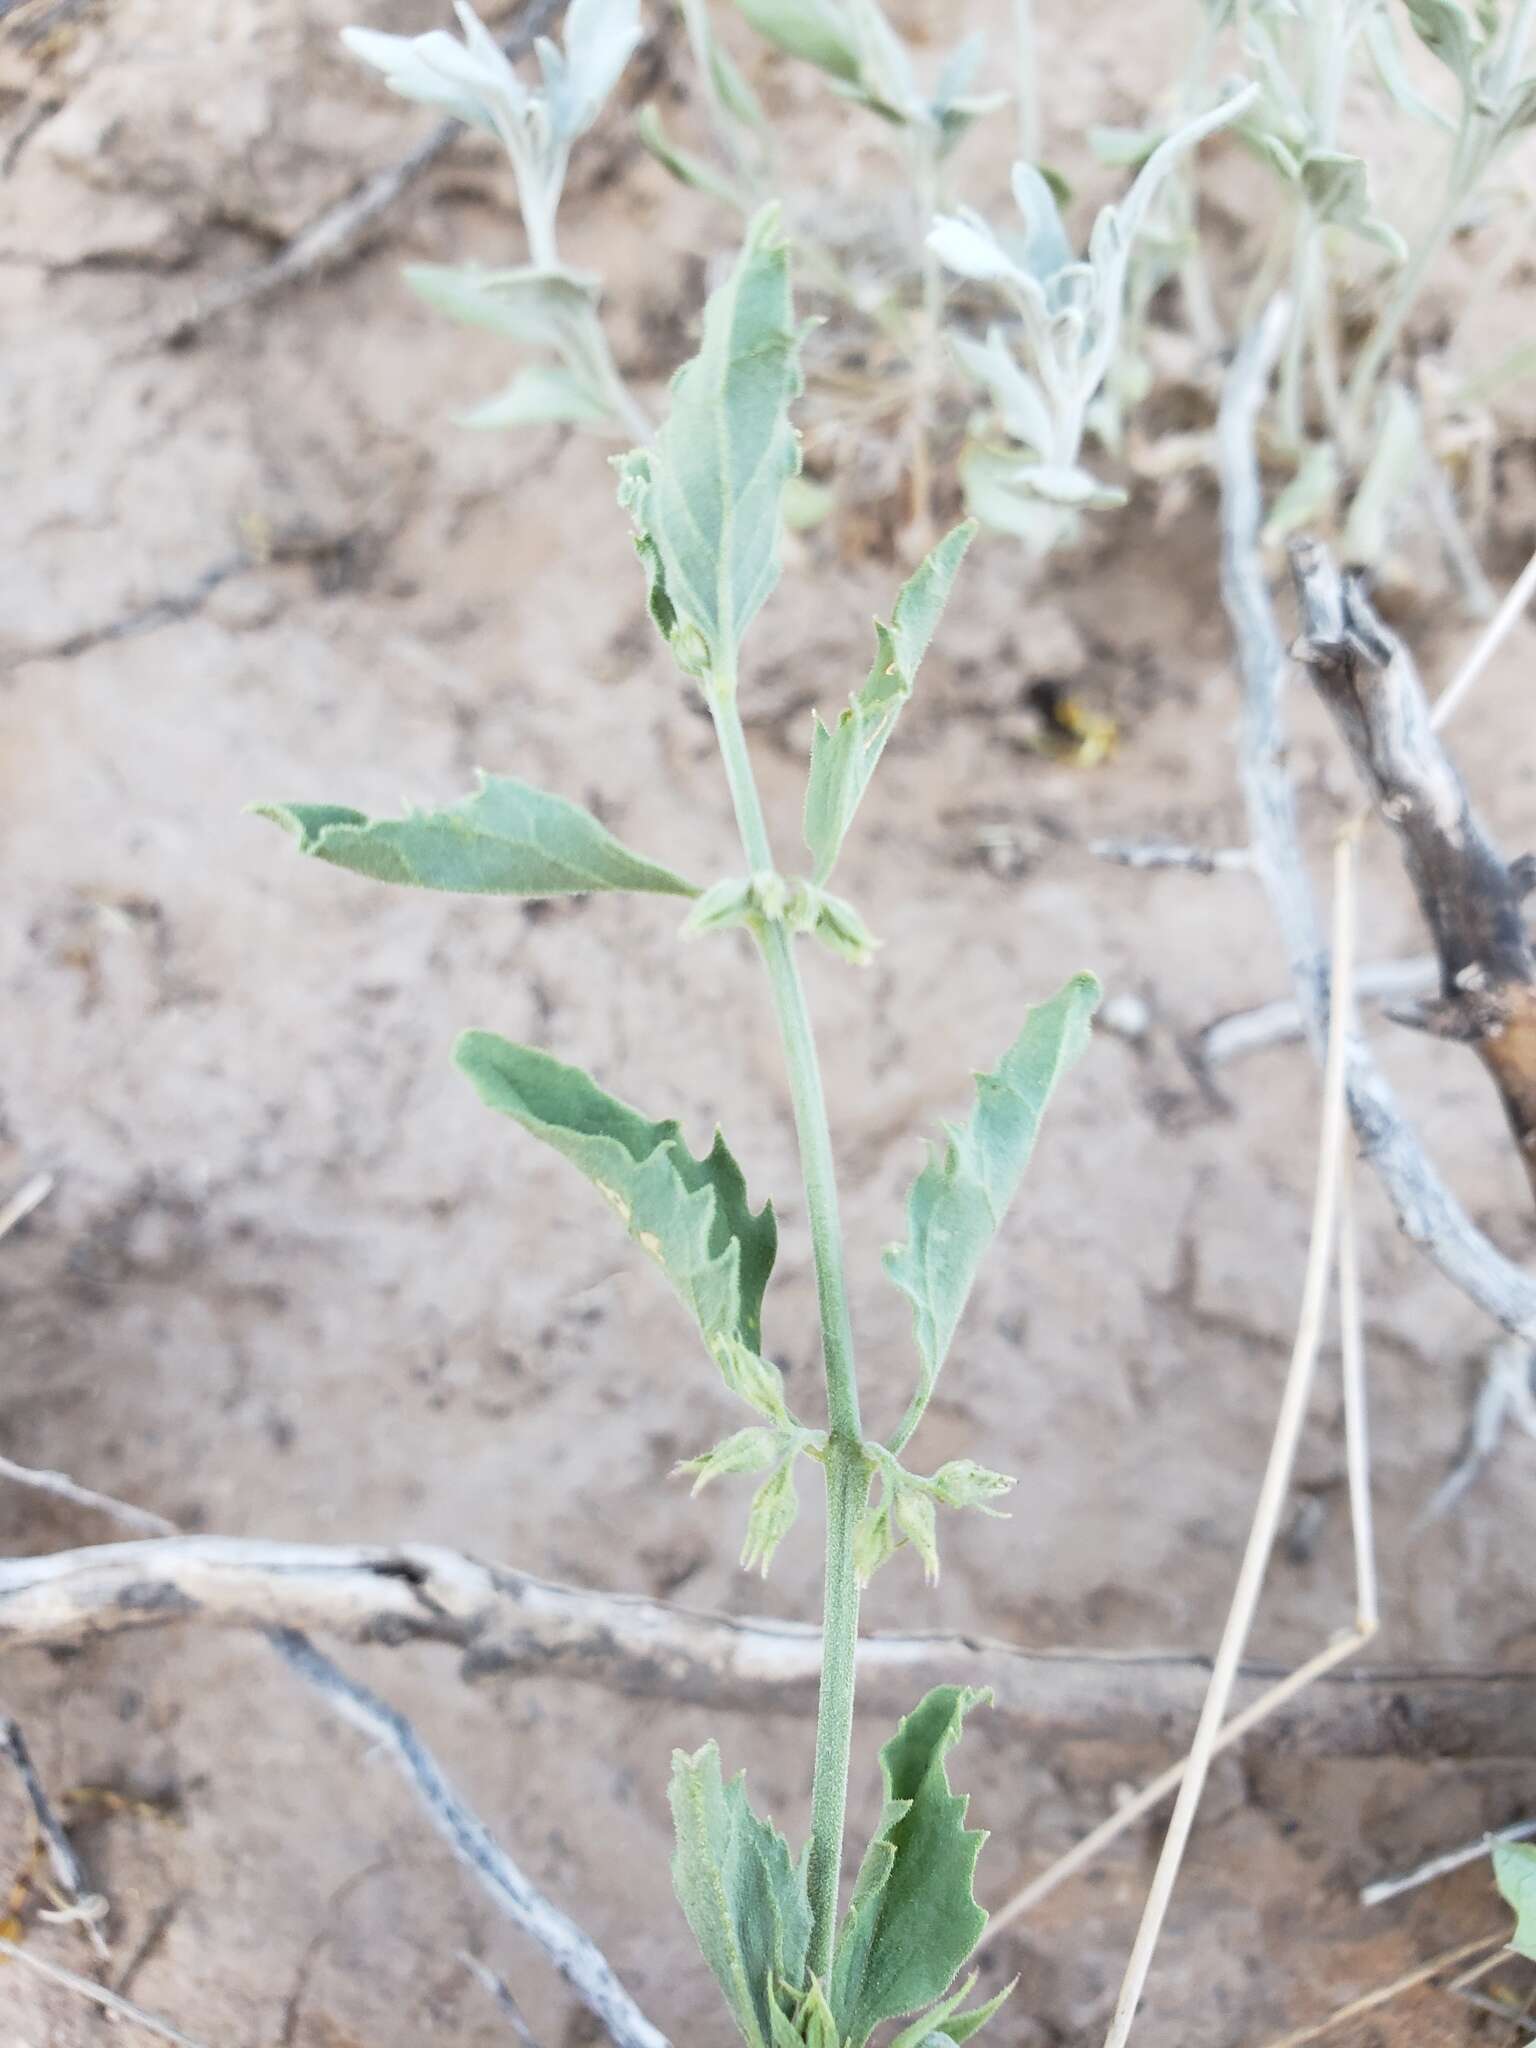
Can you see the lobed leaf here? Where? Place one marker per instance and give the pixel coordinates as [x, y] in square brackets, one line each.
[844, 758]
[1337, 188]
[690, 1214]
[944, 2023]
[742, 1895]
[508, 839]
[706, 500]
[959, 1198]
[913, 1918]
[1514, 1870]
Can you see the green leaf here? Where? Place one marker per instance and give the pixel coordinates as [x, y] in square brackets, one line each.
[959, 1198]
[1309, 494]
[1396, 462]
[815, 30]
[687, 168]
[1514, 1870]
[1124, 148]
[1381, 41]
[1446, 28]
[742, 1895]
[913, 1918]
[690, 1214]
[1519, 109]
[1337, 188]
[544, 395]
[844, 758]
[962, 2026]
[508, 839]
[538, 307]
[941, 2020]
[997, 494]
[706, 499]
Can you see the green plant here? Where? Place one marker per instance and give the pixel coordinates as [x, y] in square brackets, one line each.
[1514, 1870]
[542, 304]
[1064, 358]
[706, 503]
[1353, 433]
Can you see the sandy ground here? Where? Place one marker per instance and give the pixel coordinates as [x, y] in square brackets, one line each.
[294, 1282]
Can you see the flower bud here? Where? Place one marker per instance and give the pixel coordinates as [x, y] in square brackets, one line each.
[749, 1450]
[964, 1484]
[774, 1508]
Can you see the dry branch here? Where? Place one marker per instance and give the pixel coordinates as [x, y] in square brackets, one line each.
[506, 1622]
[81, 1904]
[574, 1954]
[1470, 897]
[97, 1994]
[1427, 1212]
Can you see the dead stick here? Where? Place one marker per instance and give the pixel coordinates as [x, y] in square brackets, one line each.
[501, 1995]
[1427, 1212]
[98, 1994]
[1469, 895]
[574, 1954]
[67, 1871]
[506, 1622]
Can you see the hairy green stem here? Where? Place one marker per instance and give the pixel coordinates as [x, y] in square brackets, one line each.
[593, 349]
[846, 1466]
[847, 1490]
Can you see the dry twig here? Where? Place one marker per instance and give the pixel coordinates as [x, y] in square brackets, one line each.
[496, 1989]
[1427, 1212]
[1506, 1395]
[509, 1623]
[1281, 1022]
[574, 1954]
[26, 1198]
[1441, 1866]
[1157, 853]
[65, 1488]
[1328, 1203]
[98, 1994]
[1470, 897]
[1383, 1994]
[81, 1903]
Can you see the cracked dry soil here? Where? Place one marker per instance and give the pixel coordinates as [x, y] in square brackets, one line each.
[293, 1282]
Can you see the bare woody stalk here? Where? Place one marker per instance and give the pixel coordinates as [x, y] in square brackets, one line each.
[508, 1625]
[1427, 1212]
[580, 1962]
[1470, 896]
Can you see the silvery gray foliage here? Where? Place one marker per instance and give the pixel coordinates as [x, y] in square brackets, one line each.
[854, 43]
[477, 83]
[1029, 477]
[1296, 49]
[543, 302]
